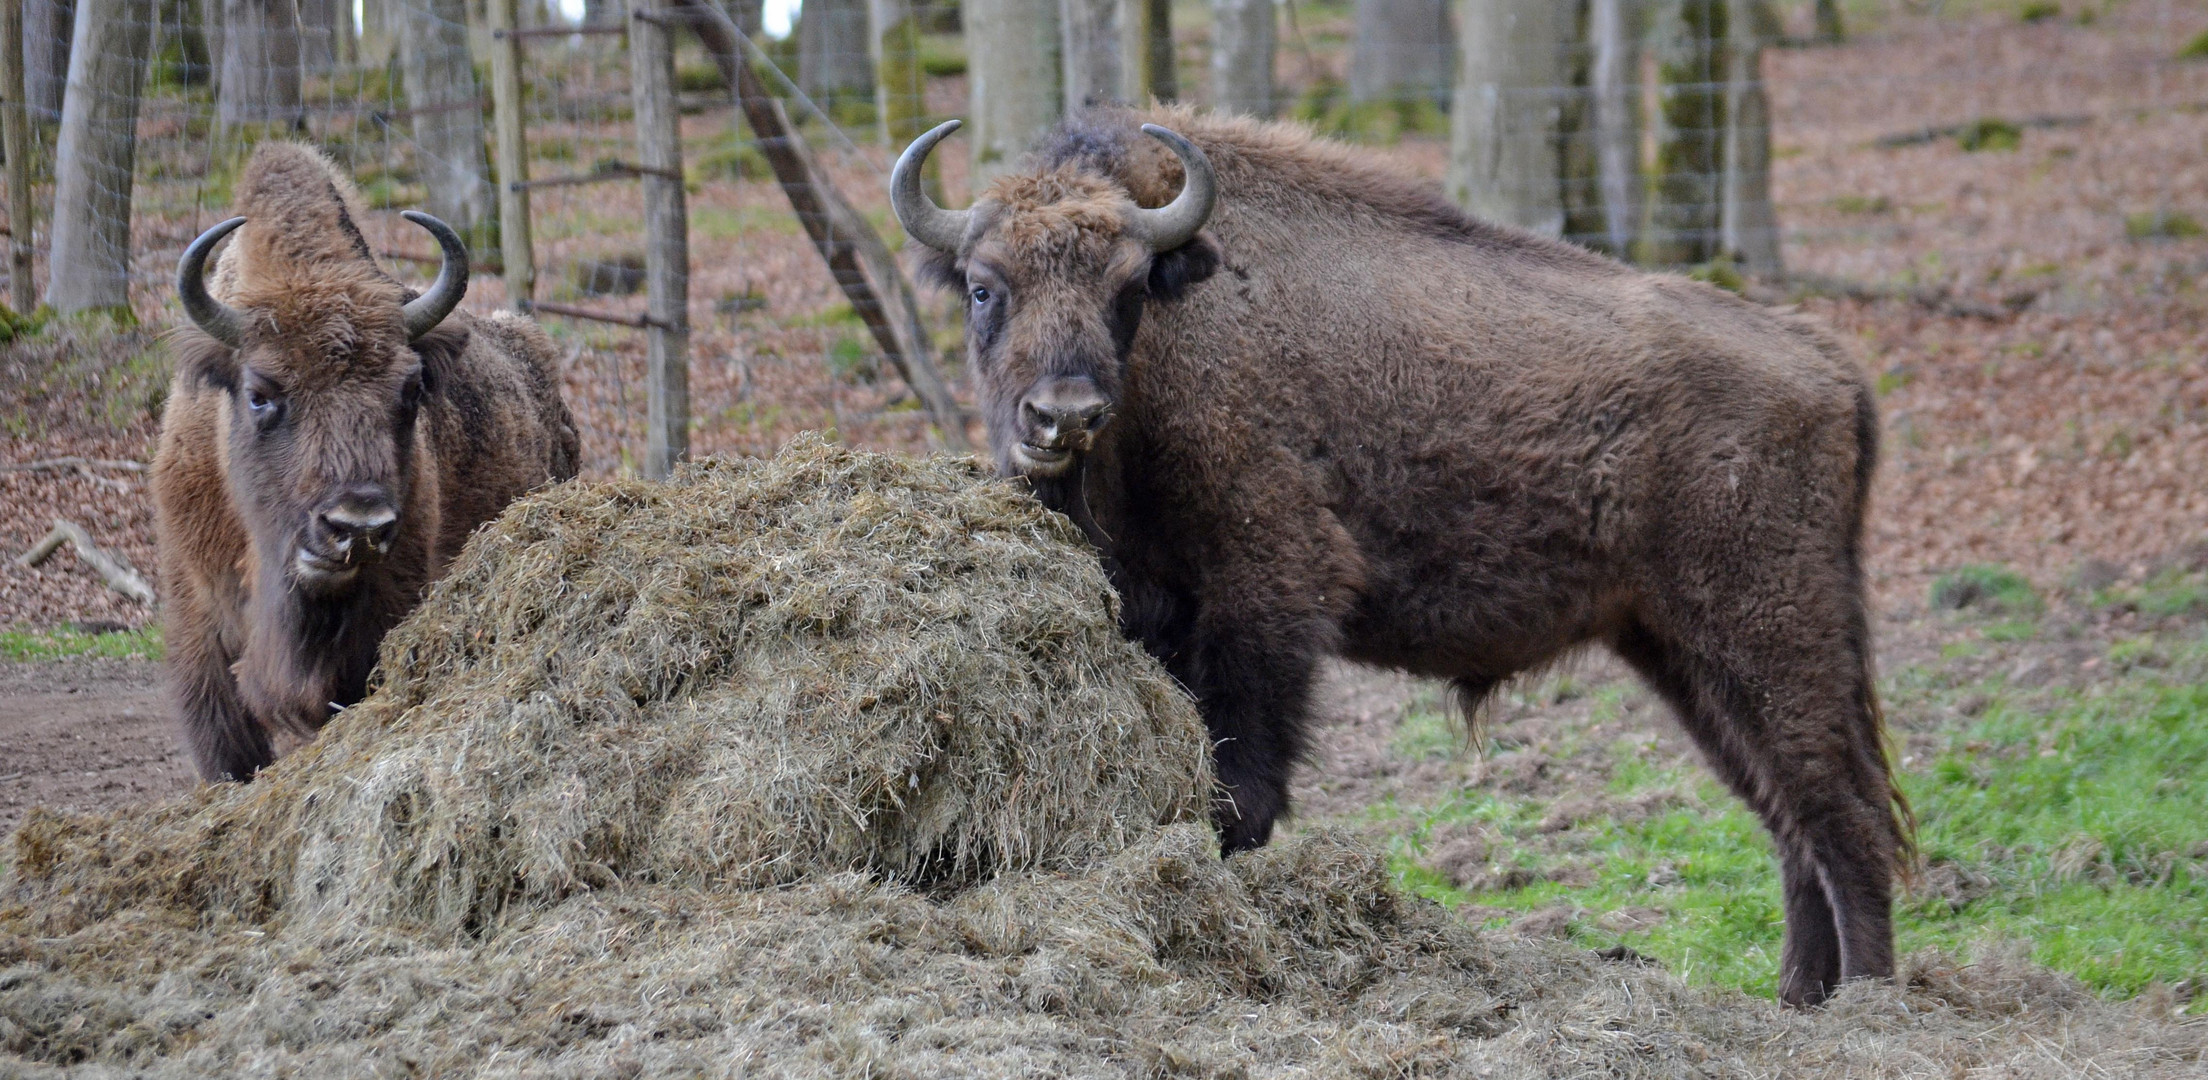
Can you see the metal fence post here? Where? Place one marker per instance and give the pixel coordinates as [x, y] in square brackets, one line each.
[666, 226]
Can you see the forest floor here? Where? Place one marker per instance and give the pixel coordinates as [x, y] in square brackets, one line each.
[2032, 313]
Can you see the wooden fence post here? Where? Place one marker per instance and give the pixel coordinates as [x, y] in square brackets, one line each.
[666, 226]
[513, 156]
[15, 142]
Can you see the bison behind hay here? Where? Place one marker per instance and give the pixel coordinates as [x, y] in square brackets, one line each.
[1305, 406]
[330, 441]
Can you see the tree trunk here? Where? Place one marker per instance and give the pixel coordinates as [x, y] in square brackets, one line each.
[1401, 52]
[1161, 77]
[318, 27]
[94, 160]
[900, 88]
[1829, 27]
[15, 145]
[445, 109]
[747, 15]
[1684, 110]
[1503, 161]
[260, 64]
[47, 27]
[1614, 86]
[1242, 37]
[595, 12]
[181, 19]
[379, 34]
[833, 61]
[1011, 78]
[1749, 228]
[1093, 51]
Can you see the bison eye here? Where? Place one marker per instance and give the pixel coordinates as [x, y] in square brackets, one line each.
[981, 296]
[258, 401]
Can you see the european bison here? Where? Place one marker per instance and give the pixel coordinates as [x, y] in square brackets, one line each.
[330, 441]
[1309, 408]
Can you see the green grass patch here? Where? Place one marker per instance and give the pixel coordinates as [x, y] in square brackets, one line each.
[2162, 225]
[59, 643]
[2068, 823]
[2196, 49]
[1993, 590]
[1990, 133]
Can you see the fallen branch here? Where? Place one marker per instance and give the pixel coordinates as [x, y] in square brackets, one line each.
[113, 569]
[1938, 298]
[1955, 131]
[79, 463]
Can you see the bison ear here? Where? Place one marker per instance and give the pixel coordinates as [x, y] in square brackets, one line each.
[204, 362]
[1173, 272]
[939, 268]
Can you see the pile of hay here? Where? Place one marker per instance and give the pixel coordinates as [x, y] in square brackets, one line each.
[835, 765]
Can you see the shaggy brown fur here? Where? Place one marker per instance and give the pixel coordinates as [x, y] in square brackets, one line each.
[1346, 419]
[324, 401]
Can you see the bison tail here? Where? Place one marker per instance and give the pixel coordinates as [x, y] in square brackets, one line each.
[1903, 817]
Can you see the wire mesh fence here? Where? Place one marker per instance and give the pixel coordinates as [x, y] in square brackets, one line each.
[1869, 144]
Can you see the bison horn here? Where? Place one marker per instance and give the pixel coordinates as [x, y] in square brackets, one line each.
[1176, 222]
[221, 321]
[424, 312]
[924, 221]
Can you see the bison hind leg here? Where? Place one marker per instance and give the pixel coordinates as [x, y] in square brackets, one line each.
[1803, 750]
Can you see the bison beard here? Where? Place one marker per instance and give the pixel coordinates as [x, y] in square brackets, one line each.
[1345, 419]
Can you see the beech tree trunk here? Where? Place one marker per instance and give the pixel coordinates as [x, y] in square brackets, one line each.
[318, 27]
[1242, 39]
[445, 112]
[379, 33]
[900, 87]
[1503, 160]
[48, 26]
[834, 62]
[1684, 112]
[1401, 51]
[260, 64]
[1012, 80]
[1160, 78]
[1749, 229]
[1093, 51]
[94, 159]
[1613, 84]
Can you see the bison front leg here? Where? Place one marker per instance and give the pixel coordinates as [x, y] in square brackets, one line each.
[1254, 694]
[225, 741]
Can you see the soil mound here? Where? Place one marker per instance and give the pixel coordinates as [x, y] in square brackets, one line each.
[836, 765]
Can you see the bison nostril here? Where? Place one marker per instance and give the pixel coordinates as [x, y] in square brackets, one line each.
[371, 526]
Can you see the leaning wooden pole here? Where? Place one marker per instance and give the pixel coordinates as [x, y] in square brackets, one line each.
[15, 142]
[666, 241]
[513, 156]
[861, 264]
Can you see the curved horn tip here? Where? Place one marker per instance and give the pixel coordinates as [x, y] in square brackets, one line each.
[1177, 222]
[427, 310]
[924, 221]
[219, 320]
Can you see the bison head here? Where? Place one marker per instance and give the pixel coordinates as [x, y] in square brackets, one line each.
[323, 377]
[1056, 266]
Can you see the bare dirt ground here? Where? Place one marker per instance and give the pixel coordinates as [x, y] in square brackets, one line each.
[84, 735]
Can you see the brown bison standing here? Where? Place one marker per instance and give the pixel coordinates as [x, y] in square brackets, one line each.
[330, 441]
[1309, 408]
